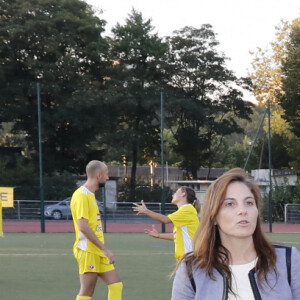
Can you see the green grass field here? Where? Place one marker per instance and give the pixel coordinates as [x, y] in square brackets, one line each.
[41, 266]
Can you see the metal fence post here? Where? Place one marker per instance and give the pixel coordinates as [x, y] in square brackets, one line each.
[19, 210]
[270, 166]
[40, 158]
[163, 198]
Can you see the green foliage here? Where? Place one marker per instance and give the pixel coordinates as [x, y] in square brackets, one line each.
[204, 101]
[59, 186]
[290, 98]
[276, 78]
[24, 178]
[294, 153]
[281, 195]
[143, 192]
[16, 171]
[101, 96]
[284, 143]
[59, 44]
[133, 89]
[267, 63]
[173, 158]
[237, 155]
[250, 127]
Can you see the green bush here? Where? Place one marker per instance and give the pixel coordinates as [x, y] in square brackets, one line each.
[24, 178]
[281, 195]
[143, 192]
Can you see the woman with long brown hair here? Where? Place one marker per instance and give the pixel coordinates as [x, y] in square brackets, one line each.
[232, 259]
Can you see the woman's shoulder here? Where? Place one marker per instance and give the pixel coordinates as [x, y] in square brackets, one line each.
[287, 256]
[198, 279]
[285, 251]
[187, 209]
[188, 264]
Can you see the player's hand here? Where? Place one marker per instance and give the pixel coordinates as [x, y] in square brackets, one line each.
[154, 233]
[109, 255]
[140, 209]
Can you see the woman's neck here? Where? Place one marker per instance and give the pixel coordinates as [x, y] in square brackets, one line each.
[242, 251]
[181, 203]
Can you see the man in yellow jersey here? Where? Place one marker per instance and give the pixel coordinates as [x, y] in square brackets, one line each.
[94, 259]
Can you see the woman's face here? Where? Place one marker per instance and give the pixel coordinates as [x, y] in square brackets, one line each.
[237, 217]
[178, 196]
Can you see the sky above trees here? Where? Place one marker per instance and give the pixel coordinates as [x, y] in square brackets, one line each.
[242, 26]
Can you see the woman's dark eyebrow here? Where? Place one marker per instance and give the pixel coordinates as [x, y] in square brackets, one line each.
[247, 197]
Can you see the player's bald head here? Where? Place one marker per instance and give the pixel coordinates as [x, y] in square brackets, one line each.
[94, 167]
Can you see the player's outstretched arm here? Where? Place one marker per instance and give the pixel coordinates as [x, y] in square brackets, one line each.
[84, 227]
[142, 209]
[154, 233]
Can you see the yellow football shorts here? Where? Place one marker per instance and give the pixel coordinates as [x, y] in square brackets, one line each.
[90, 262]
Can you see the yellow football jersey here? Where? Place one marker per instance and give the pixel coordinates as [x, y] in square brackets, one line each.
[186, 222]
[84, 205]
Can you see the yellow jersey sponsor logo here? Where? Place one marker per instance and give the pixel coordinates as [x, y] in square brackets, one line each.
[99, 228]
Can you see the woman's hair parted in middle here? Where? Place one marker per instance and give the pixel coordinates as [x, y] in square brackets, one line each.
[209, 253]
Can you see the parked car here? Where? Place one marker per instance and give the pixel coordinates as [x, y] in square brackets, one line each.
[62, 210]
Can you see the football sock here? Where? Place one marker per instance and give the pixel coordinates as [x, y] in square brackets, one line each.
[115, 291]
[83, 298]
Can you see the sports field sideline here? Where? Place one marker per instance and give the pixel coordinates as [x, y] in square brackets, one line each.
[67, 226]
[37, 266]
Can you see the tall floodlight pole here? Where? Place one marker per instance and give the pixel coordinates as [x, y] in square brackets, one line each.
[270, 167]
[256, 136]
[40, 158]
[163, 200]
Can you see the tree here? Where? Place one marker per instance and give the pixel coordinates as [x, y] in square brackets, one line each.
[268, 77]
[239, 144]
[136, 54]
[267, 66]
[59, 44]
[22, 176]
[206, 99]
[290, 98]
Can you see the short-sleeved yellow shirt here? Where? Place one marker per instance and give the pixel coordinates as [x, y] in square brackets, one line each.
[84, 205]
[186, 222]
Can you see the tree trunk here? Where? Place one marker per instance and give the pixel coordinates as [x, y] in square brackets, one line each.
[208, 173]
[194, 170]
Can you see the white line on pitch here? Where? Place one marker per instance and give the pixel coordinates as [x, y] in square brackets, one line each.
[62, 254]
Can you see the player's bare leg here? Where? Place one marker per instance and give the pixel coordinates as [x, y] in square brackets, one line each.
[114, 284]
[87, 284]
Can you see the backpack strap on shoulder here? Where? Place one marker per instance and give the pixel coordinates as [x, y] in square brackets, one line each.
[288, 255]
[288, 260]
[192, 281]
